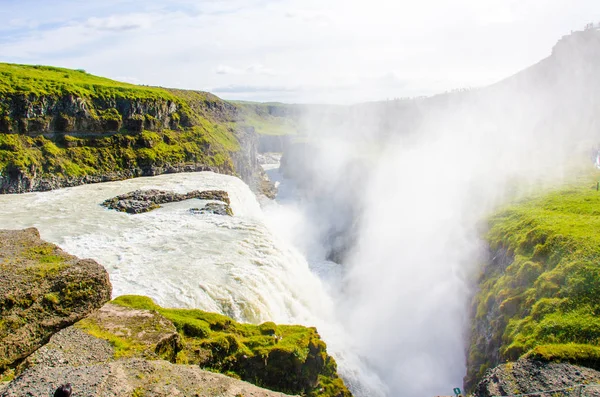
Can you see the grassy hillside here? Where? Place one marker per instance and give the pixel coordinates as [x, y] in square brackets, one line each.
[67, 126]
[545, 301]
[48, 80]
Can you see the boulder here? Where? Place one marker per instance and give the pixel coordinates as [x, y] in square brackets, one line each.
[531, 376]
[42, 290]
[213, 208]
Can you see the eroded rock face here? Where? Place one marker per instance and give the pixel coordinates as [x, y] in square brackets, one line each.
[42, 290]
[140, 201]
[529, 376]
[247, 166]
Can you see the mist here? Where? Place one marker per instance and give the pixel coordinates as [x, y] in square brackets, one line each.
[398, 192]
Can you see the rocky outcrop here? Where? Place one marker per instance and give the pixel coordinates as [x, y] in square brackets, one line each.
[527, 376]
[33, 114]
[287, 358]
[42, 290]
[140, 201]
[247, 166]
[213, 208]
[110, 333]
[131, 377]
[131, 337]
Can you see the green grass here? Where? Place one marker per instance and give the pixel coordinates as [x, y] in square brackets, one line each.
[53, 81]
[269, 118]
[583, 354]
[287, 358]
[547, 300]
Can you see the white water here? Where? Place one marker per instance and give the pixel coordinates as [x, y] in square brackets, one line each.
[242, 266]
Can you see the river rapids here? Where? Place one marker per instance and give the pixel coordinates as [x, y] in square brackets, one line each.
[243, 266]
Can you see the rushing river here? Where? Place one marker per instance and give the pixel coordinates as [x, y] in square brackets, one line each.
[242, 266]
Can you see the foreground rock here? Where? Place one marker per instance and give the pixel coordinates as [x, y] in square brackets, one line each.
[42, 290]
[530, 376]
[132, 377]
[288, 358]
[140, 201]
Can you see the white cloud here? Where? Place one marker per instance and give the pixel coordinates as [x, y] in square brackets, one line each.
[120, 23]
[224, 69]
[254, 69]
[429, 46]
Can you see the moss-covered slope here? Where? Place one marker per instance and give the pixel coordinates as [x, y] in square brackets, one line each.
[540, 294]
[62, 127]
[287, 358]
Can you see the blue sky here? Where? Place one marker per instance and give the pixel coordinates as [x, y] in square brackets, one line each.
[335, 51]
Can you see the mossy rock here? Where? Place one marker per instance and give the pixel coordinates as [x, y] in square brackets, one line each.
[288, 358]
[42, 290]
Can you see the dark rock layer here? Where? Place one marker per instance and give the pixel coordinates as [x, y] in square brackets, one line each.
[33, 183]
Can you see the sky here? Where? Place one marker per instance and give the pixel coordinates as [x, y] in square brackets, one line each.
[295, 51]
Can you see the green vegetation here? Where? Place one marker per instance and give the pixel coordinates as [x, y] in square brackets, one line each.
[52, 81]
[269, 118]
[45, 260]
[124, 346]
[8, 375]
[546, 301]
[59, 124]
[81, 125]
[69, 156]
[287, 358]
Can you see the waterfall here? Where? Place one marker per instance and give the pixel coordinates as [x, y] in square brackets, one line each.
[238, 266]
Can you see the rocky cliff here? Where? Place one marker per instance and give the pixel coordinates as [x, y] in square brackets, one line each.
[61, 127]
[42, 290]
[538, 293]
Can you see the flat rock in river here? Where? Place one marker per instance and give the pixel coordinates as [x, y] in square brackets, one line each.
[140, 201]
